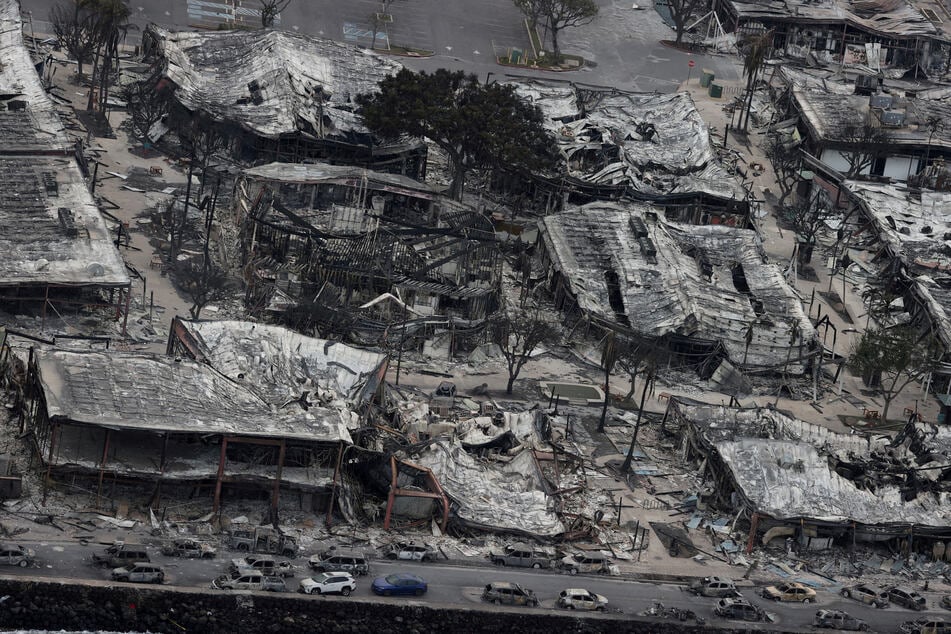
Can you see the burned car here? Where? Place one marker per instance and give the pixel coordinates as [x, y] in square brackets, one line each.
[790, 591]
[504, 592]
[868, 594]
[522, 556]
[189, 549]
[581, 599]
[926, 625]
[411, 551]
[585, 562]
[139, 573]
[264, 565]
[906, 598]
[249, 580]
[15, 555]
[839, 620]
[719, 587]
[739, 610]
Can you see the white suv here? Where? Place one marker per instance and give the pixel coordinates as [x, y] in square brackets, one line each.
[579, 599]
[329, 583]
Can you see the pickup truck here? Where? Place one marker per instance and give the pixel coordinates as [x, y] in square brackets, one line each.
[249, 581]
[522, 555]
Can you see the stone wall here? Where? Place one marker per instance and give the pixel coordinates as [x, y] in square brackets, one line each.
[42, 604]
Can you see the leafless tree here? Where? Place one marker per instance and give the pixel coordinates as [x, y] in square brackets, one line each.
[609, 355]
[270, 10]
[518, 332]
[563, 14]
[786, 159]
[74, 26]
[532, 9]
[861, 144]
[202, 282]
[756, 48]
[145, 106]
[683, 12]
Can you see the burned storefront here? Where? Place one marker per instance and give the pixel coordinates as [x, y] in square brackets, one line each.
[708, 292]
[640, 146]
[348, 251]
[277, 95]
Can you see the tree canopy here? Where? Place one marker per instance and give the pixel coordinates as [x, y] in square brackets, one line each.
[478, 126]
[562, 14]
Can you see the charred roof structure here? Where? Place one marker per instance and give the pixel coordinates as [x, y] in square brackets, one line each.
[54, 244]
[643, 146]
[283, 96]
[780, 472]
[872, 33]
[708, 290]
[325, 245]
[259, 408]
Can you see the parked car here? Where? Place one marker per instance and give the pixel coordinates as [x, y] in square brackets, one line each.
[522, 555]
[580, 599]
[351, 561]
[739, 609]
[790, 591]
[249, 580]
[946, 602]
[399, 583]
[585, 562]
[139, 573]
[265, 565]
[263, 539]
[906, 598]
[714, 587]
[839, 620]
[189, 549]
[120, 555]
[867, 593]
[926, 625]
[329, 583]
[411, 551]
[14, 555]
[504, 592]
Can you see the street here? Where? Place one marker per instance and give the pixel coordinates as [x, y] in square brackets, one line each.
[462, 585]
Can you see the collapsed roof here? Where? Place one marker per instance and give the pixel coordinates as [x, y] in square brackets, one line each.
[655, 146]
[327, 174]
[628, 267]
[914, 226]
[279, 364]
[271, 82]
[154, 393]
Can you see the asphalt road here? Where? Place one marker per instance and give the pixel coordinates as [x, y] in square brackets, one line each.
[462, 585]
[623, 43]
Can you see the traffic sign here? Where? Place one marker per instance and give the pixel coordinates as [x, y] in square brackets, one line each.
[691, 63]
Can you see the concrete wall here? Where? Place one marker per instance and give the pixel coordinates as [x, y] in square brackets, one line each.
[39, 603]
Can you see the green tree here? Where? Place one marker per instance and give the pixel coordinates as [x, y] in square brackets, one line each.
[894, 357]
[478, 126]
[563, 14]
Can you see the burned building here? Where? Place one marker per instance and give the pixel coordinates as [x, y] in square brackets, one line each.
[278, 95]
[786, 477]
[324, 245]
[876, 34]
[255, 411]
[641, 146]
[708, 291]
[56, 249]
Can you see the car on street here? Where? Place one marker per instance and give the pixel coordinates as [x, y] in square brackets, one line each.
[120, 554]
[946, 602]
[585, 562]
[189, 549]
[906, 598]
[790, 591]
[868, 594]
[265, 565]
[739, 610]
[719, 587]
[249, 580]
[16, 555]
[507, 593]
[926, 625]
[839, 620]
[329, 583]
[139, 573]
[411, 551]
[522, 556]
[352, 561]
[399, 583]
[581, 599]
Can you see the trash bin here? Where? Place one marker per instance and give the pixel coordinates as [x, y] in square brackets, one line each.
[706, 78]
[716, 91]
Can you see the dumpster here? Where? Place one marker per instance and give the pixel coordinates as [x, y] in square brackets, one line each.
[706, 78]
[716, 91]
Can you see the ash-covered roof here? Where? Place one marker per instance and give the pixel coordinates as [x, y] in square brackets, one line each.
[279, 364]
[143, 392]
[271, 82]
[597, 133]
[51, 231]
[324, 173]
[32, 127]
[792, 480]
[706, 282]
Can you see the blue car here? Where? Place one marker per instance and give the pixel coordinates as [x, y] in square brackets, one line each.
[399, 583]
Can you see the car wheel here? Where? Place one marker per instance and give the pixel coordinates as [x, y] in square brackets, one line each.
[125, 579]
[387, 593]
[571, 607]
[600, 608]
[496, 601]
[847, 594]
[391, 555]
[419, 592]
[345, 592]
[23, 563]
[160, 577]
[536, 565]
[573, 571]
[500, 562]
[243, 547]
[807, 600]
